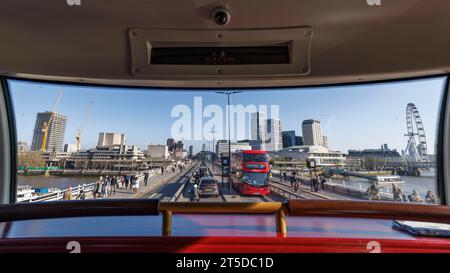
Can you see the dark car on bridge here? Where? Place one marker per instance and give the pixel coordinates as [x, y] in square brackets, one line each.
[208, 187]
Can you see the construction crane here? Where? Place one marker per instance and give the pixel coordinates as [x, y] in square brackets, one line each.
[46, 125]
[80, 129]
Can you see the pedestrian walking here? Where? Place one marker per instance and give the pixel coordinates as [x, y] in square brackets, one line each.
[68, 194]
[195, 196]
[316, 184]
[322, 181]
[114, 184]
[396, 193]
[430, 198]
[135, 184]
[294, 183]
[373, 193]
[132, 178]
[127, 180]
[414, 197]
[122, 182]
[81, 196]
[146, 175]
[97, 188]
[105, 187]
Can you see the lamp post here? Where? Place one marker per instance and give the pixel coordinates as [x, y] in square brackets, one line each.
[213, 147]
[229, 93]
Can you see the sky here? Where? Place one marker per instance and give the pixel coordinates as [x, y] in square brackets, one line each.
[352, 117]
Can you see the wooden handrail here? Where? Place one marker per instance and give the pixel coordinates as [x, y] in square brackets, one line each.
[370, 209]
[324, 208]
[169, 208]
[216, 207]
[78, 208]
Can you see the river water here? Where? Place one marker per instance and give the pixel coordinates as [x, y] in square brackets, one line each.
[61, 182]
[421, 184]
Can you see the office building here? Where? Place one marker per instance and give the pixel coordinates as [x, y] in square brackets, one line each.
[322, 156]
[170, 144]
[110, 139]
[311, 133]
[179, 145]
[191, 150]
[70, 148]
[115, 157]
[222, 146]
[157, 151]
[274, 137]
[55, 133]
[298, 141]
[288, 138]
[325, 141]
[258, 125]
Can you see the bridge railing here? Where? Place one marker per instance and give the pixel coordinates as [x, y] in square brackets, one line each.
[285, 193]
[87, 188]
[58, 195]
[360, 191]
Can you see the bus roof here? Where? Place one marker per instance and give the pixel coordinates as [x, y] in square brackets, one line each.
[254, 152]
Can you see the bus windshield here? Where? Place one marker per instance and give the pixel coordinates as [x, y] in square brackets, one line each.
[255, 179]
[256, 158]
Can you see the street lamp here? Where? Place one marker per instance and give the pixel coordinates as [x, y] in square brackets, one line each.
[229, 93]
[213, 148]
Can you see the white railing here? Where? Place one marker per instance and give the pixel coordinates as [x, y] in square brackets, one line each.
[285, 193]
[384, 193]
[87, 188]
[58, 195]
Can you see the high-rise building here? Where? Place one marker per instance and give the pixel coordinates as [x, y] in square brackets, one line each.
[222, 146]
[288, 138]
[311, 132]
[170, 144]
[22, 146]
[70, 148]
[157, 151]
[274, 137]
[325, 141]
[55, 134]
[110, 139]
[258, 125]
[179, 145]
[204, 147]
[298, 141]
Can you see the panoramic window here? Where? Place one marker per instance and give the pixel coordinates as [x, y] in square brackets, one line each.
[356, 142]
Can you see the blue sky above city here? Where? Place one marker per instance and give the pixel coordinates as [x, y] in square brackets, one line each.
[353, 117]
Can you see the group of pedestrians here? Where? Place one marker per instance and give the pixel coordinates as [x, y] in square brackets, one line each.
[317, 182]
[132, 182]
[107, 185]
[373, 193]
[68, 195]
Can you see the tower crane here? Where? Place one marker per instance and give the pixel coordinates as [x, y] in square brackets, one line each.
[46, 125]
[80, 129]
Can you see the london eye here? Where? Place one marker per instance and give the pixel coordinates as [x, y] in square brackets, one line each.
[416, 147]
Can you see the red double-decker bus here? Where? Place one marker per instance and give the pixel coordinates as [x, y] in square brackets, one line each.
[250, 172]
